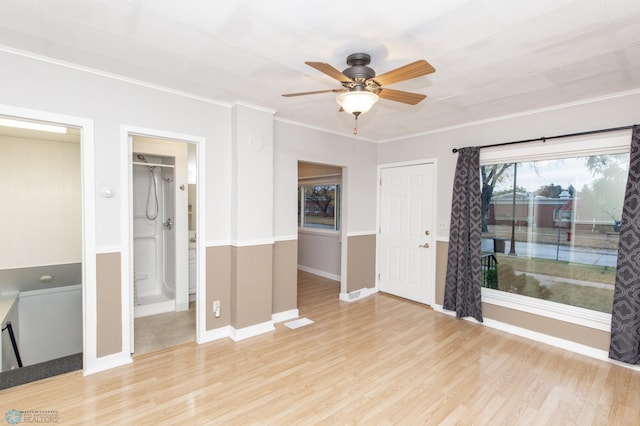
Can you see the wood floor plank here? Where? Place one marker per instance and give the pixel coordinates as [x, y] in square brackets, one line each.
[380, 360]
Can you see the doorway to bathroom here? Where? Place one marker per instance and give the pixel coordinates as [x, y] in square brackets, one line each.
[163, 235]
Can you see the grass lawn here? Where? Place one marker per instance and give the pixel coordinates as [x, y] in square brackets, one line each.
[511, 279]
[598, 274]
[598, 299]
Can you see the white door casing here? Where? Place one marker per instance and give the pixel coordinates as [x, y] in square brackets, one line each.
[89, 245]
[126, 235]
[178, 238]
[406, 246]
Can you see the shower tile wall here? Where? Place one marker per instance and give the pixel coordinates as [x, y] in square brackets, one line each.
[147, 236]
[160, 249]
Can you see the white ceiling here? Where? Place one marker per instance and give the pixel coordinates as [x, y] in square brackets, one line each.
[492, 57]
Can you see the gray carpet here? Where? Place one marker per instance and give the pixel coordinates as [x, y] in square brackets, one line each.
[31, 373]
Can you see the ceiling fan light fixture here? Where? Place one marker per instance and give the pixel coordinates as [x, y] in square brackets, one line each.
[357, 102]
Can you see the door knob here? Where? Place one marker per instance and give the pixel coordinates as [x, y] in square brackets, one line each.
[425, 245]
[427, 232]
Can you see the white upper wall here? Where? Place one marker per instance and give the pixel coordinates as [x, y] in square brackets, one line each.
[252, 188]
[604, 113]
[41, 202]
[110, 103]
[293, 143]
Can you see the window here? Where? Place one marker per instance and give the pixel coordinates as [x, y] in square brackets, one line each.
[321, 206]
[550, 223]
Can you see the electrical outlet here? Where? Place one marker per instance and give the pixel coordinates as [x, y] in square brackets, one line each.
[216, 308]
[442, 225]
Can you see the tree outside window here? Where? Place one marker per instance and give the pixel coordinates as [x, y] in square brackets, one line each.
[320, 204]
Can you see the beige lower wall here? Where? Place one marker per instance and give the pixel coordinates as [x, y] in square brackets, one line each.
[540, 324]
[251, 285]
[361, 262]
[285, 276]
[218, 267]
[108, 304]
[441, 270]
[575, 333]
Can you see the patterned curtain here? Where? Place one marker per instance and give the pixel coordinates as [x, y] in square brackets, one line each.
[625, 315]
[464, 273]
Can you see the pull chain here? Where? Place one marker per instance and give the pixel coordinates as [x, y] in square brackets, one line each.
[355, 126]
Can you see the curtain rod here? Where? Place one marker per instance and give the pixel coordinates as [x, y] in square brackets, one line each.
[546, 138]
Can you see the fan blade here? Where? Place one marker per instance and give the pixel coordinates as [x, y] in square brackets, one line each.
[413, 70]
[400, 96]
[288, 95]
[328, 70]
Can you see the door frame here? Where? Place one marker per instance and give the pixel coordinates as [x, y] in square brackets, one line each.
[344, 213]
[126, 131]
[432, 253]
[87, 182]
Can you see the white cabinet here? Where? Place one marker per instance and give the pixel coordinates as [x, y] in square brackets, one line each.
[50, 323]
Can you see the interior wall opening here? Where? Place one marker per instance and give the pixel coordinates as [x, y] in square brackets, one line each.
[319, 219]
[41, 250]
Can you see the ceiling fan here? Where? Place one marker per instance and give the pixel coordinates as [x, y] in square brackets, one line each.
[361, 88]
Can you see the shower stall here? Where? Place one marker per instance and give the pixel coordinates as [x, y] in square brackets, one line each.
[153, 221]
[160, 268]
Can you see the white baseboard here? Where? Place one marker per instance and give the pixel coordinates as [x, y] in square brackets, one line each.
[215, 334]
[357, 294]
[285, 316]
[182, 307]
[106, 363]
[251, 331]
[319, 273]
[140, 311]
[542, 338]
[242, 333]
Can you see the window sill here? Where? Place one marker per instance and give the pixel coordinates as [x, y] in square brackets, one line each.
[571, 314]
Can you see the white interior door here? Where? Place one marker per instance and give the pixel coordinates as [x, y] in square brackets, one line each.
[406, 238]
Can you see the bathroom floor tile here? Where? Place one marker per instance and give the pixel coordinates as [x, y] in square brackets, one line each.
[156, 332]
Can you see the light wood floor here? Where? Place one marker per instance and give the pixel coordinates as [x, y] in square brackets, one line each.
[380, 360]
